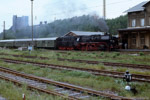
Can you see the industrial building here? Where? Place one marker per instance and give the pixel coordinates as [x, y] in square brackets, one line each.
[20, 22]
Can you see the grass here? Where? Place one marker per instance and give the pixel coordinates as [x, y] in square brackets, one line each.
[13, 92]
[97, 56]
[83, 65]
[82, 78]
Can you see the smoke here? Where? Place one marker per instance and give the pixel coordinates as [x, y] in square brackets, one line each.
[70, 5]
[70, 8]
[66, 8]
[99, 22]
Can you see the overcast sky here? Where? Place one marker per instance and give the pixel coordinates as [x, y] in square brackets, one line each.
[49, 10]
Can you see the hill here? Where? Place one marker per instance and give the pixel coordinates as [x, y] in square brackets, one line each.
[61, 27]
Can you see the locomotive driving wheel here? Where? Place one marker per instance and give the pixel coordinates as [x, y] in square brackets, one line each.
[103, 46]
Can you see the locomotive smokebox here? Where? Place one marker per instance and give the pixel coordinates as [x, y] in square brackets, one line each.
[106, 33]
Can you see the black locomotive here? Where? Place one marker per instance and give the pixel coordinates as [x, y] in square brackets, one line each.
[88, 43]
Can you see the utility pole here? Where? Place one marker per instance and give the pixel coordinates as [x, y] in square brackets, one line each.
[4, 30]
[32, 23]
[104, 9]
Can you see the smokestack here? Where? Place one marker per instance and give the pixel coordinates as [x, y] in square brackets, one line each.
[41, 23]
[45, 22]
[104, 9]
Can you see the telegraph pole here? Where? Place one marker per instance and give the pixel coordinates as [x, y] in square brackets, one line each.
[3, 30]
[104, 9]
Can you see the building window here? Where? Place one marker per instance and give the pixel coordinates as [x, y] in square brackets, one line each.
[142, 38]
[133, 23]
[142, 22]
[133, 39]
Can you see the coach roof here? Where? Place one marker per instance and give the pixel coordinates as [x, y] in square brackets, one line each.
[35, 39]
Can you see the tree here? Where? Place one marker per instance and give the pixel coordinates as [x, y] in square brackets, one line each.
[117, 23]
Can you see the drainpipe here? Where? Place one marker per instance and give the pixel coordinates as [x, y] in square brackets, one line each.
[145, 24]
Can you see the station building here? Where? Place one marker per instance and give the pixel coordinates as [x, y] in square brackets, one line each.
[137, 34]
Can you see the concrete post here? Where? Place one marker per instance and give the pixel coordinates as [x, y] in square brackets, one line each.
[23, 97]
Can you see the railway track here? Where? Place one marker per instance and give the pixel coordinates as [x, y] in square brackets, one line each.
[32, 85]
[138, 66]
[5, 54]
[40, 84]
[135, 77]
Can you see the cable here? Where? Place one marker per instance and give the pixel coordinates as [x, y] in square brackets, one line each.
[59, 13]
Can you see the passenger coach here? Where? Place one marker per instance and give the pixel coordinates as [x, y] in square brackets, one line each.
[38, 42]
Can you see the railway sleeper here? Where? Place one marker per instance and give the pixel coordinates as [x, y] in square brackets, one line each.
[89, 91]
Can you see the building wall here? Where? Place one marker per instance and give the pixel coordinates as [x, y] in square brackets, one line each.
[147, 15]
[139, 40]
[147, 39]
[138, 16]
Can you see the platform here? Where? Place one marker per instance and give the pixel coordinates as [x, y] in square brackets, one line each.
[134, 50]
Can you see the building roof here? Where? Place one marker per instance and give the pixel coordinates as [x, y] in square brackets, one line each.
[146, 4]
[81, 33]
[139, 7]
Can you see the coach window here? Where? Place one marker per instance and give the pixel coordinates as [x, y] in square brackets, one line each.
[133, 39]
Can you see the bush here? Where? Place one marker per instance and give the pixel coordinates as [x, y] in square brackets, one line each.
[117, 54]
[106, 55]
[57, 54]
[69, 53]
[141, 53]
[102, 53]
[114, 56]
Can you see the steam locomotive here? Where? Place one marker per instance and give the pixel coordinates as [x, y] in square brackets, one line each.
[89, 43]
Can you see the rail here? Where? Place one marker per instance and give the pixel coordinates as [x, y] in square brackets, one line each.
[60, 84]
[136, 77]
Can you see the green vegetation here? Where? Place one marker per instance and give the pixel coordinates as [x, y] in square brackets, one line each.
[84, 79]
[94, 56]
[117, 23]
[13, 92]
[141, 53]
[61, 27]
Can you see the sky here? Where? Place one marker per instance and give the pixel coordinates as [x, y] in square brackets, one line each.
[50, 10]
